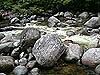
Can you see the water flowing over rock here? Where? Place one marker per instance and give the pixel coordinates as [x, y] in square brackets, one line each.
[48, 49]
[91, 57]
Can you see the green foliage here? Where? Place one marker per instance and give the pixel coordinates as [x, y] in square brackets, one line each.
[39, 6]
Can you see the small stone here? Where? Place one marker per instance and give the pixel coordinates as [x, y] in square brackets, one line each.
[22, 54]
[23, 61]
[31, 64]
[20, 70]
[34, 71]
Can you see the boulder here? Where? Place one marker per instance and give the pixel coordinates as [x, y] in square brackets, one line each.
[52, 21]
[48, 49]
[84, 15]
[28, 37]
[91, 57]
[20, 70]
[93, 22]
[6, 64]
[74, 52]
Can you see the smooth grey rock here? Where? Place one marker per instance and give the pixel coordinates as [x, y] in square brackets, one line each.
[31, 64]
[28, 37]
[97, 69]
[93, 22]
[23, 61]
[91, 57]
[20, 70]
[74, 52]
[84, 15]
[48, 49]
[52, 21]
[6, 64]
[40, 19]
[34, 71]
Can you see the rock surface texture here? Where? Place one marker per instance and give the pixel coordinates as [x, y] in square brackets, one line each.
[48, 49]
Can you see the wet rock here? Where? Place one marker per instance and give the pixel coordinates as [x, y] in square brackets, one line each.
[2, 74]
[48, 49]
[2, 36]
[28, 37]
[23, 61]
[84, 15]
[31, 64]
[52, 21]
[97, 69]
[61, 14]
[68, 14]
[20, 70]
[93, 22]
[74, 52]
[22, 54]
[15, 20]
[16, 62]
[6, 64]
[34, 71]
[33, 17]
[30, 56]
[6, 47]
[91, 57]
[40, 19]
[15, 53]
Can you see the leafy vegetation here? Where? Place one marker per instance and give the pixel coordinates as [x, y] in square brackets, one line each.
[39, 6]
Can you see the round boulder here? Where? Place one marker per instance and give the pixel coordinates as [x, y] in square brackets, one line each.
[48, 49]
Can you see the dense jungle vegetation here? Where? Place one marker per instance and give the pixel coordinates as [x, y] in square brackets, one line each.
[38, 6]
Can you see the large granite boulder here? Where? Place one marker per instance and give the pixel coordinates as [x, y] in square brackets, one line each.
[6, 64]
[48, 49]
[91, 57]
